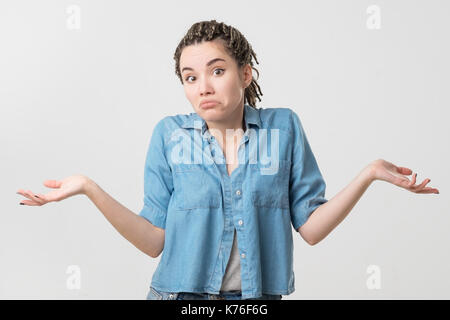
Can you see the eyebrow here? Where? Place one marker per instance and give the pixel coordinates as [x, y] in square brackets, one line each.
[208, 64]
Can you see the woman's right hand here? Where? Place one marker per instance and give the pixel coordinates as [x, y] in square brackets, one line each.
[65, 188]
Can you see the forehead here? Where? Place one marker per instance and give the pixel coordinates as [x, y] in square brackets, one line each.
[201, 53]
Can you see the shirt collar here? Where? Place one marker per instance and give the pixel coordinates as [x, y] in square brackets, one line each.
[251, 116]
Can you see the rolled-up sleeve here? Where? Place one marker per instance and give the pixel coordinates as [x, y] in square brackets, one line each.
[158, 184]
[307, 186]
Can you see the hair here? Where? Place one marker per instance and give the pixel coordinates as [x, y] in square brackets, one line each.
[235, 44]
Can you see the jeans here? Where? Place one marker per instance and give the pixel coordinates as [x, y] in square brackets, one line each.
[155, 294]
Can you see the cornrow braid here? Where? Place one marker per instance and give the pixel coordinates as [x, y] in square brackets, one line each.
[235, 43]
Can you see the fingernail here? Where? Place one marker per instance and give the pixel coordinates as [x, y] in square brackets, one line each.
[36, 196]
[22, 203]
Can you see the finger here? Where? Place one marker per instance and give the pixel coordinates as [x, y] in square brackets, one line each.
[33, 197]
[30, 203]
[429, 190]
[422, 185]
[413, 181]
[404, 170]
[25, 194]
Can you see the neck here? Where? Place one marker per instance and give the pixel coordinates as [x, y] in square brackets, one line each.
[235, 122]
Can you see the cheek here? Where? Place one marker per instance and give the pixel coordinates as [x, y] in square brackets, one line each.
[189, 92]
[230, 86]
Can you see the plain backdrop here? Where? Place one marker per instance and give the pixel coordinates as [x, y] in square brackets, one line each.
[85, 100]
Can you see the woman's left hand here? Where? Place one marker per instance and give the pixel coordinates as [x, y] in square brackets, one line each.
[386, 171]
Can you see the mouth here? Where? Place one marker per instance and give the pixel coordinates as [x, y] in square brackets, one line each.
[208, 105]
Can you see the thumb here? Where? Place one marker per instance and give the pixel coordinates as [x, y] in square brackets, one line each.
[404, 170]
[52, 183]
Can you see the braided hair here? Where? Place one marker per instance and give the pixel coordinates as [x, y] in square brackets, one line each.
[234, 43]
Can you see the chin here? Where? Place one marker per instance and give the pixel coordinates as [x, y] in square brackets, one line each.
[211, 114]
[211, 117]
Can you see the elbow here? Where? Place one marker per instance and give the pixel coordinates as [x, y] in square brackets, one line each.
[313, 239]
[309, 240]
[307, 235]
[154, 254]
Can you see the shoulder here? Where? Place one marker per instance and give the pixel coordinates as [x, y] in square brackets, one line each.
[173, 121]
[166, 126]
[278, 117]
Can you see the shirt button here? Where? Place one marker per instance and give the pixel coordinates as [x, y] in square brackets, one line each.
[241, 222]
[238, 192]
[170, 296]
[243, 255]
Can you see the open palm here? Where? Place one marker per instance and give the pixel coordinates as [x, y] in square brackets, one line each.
[63, 189]
[386, 171]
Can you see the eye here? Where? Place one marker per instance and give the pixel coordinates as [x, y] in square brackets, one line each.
[187, 78]
[219, 69]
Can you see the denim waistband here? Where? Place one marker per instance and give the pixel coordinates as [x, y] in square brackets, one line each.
[155, 294]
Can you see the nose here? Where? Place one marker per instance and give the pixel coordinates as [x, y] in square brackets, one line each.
[205, 87]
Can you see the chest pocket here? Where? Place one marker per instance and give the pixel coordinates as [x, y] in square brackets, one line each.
[270, 186]
[196, 187]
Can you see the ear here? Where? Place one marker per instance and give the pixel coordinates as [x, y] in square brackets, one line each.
[247, 75]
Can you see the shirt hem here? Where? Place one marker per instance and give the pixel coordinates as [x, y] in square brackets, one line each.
[245, 294]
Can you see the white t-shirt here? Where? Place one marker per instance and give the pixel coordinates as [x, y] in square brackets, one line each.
[232, 277]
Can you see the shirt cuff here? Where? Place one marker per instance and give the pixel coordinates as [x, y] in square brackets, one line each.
[301, 214]
[156, 216]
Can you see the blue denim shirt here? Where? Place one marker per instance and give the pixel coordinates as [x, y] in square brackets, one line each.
[189, 193]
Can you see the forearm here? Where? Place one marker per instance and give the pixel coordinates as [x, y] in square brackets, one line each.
[327, 216]
[136, 229]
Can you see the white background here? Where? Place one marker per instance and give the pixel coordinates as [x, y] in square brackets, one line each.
[85, 101]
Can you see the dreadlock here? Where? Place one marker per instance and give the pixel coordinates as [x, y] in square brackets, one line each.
[235, 44]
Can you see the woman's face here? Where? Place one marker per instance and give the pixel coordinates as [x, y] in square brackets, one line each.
[209, 73]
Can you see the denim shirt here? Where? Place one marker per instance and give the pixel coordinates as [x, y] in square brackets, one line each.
[189, 193]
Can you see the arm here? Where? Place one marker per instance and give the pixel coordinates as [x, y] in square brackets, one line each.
[327, 216]
[136, 229]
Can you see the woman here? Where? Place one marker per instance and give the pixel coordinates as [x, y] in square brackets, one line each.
[223, 185]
